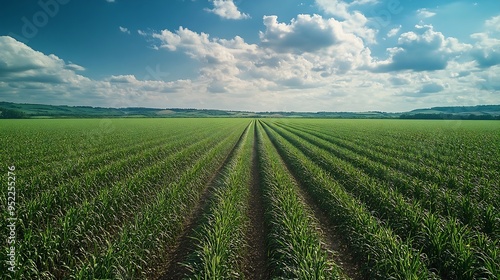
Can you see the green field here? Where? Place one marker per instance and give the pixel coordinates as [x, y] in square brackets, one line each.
[250, 199]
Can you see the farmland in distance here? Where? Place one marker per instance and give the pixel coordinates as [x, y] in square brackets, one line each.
[250, 199]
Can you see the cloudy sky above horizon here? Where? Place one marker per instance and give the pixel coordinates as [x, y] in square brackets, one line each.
[281, 55]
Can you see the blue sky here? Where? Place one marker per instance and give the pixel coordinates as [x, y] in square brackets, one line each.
[286, 55]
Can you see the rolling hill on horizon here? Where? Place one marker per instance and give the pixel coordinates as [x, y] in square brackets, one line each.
[25, 110]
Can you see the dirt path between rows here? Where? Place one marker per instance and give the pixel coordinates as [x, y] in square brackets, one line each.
[255, 263]
[334, 240]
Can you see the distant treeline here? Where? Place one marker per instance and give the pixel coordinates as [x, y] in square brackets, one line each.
[9, 110]
[442, 116]
[12, 114]
[468, 109]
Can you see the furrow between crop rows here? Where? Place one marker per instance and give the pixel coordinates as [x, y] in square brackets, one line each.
[256, 260]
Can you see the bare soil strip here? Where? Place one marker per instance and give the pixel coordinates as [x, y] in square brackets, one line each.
[255, 262]
[333, 238]
[185, 245]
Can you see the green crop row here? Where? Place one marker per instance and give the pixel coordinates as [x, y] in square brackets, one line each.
[457, 157]
[140, 243]
[468, 254]
[94, 213]
[133, 198]
[471, 211]
[220, 238]
[96, 219]
[385, 256]
[296, 250]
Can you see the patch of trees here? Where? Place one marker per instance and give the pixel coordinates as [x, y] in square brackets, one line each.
[12, 114]
[443, 116]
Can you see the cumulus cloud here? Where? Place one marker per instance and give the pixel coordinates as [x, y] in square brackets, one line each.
[226, 9]
[27, 75]
[309, 63]
[201, 47]
[304, 34]
[340, 8]
[130, 79]
[301, 54]
[19, 62]
[431, 88]
[493, 24]
[322, 42]
[489, 80]
[222, 60]
[393, 32]
[425, 13]
[74, 67]
[352, 21]
[357, 24]
[486, 50]
[399, 81]
[422, 50]
[124, 29]
[337, 8]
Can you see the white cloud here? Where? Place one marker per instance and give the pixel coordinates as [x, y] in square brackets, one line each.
[422, 49]
[393, 32]
[486, 50]
[493, 24]
[29, 75]
[357, 24]
[352, 21]
[124, 29]
[363, 2]
[399, 80]
[74, 67]
[433, 87]
[336, 8]
[489, 80]
[227, 9]
[122, 79]
[300, 54]
[425, 13]
[304, 34]
[201, 47]
[20, 63]
[310, 63]
[340, 8]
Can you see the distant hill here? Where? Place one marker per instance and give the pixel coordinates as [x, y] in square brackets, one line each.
[483, 112]
[17, 110]
[63, 111]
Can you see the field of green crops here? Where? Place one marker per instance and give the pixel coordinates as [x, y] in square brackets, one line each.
[250, 199]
